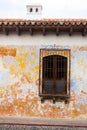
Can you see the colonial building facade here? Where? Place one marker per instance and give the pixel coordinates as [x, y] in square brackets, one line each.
[43, 68]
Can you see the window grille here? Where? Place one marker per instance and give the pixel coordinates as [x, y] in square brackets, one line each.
[54, 73]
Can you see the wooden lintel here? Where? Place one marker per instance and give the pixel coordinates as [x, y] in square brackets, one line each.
[84, 32]
[44, 31]
[18, 31]
[6, 31]
[57, 31]
[70, 31]
[31, 31]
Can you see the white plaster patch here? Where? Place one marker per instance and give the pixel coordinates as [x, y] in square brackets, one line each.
[60, 104]
[26, 87]
[6, 79]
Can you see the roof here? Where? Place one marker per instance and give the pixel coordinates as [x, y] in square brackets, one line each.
[44, 25]
[34, 5]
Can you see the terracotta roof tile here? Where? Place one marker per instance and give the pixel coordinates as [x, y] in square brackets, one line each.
[46, 20]
[56, 24]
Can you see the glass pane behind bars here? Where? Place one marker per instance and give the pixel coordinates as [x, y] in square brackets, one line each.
[54, 73]
[48, 86]
[48, 67]
[61, 67]
[60, 86]
[61, 74]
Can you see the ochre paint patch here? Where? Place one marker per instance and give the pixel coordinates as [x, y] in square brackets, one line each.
[83, 49]
[7, 51]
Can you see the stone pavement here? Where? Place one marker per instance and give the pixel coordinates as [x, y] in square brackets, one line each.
[23, 123]
[19, 127]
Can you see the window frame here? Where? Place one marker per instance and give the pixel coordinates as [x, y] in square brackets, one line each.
[48, 52]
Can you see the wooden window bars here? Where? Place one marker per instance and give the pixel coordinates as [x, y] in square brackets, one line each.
[54, 74]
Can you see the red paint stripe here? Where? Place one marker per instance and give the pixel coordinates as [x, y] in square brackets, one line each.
[43, 125]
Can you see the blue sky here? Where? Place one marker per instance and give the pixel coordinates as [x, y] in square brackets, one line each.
[51, 8]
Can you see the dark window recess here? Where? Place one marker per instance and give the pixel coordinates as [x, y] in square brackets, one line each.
[36, 9]
[54, 78]
[31, 9]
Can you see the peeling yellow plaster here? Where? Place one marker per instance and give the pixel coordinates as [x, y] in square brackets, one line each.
[81, 63]
[13, 69]
[37, 68]
[4, 51]
[22, 98]
[1, 91]
[22, 62]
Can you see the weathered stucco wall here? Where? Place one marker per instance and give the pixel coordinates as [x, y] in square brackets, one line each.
[19, 77]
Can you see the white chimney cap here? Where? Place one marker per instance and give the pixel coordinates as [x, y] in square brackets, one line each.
[34, 11]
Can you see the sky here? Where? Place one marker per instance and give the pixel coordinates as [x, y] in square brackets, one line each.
[51, 8]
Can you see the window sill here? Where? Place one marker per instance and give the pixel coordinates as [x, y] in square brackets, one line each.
[54, 97]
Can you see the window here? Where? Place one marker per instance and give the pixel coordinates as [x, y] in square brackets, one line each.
[36, 9]
[54, 74]
[31, 9]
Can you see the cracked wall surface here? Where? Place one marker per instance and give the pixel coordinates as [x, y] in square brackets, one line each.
[19, 84]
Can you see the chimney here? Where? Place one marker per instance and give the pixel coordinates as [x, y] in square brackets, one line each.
[34, 11]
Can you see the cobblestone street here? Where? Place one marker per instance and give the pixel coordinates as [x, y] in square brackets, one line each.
[14, 123]
[20, 127]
